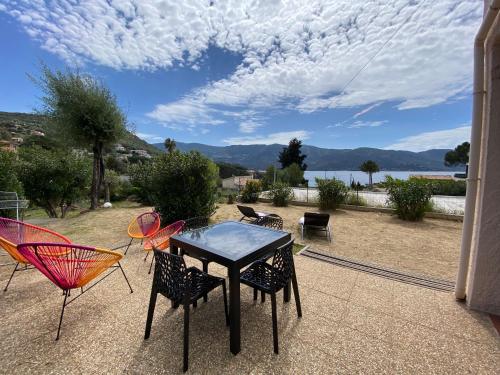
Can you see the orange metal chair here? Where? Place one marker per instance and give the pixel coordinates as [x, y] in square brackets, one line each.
[161, 240]
[71, 266]
[143, 226]
[13, 232]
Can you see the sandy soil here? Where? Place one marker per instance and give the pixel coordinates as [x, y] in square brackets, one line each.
[430, 247]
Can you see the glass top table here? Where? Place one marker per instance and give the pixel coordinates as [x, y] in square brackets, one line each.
[231, 239]
[235, 245]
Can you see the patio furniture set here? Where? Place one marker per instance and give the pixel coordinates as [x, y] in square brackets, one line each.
[244, 248]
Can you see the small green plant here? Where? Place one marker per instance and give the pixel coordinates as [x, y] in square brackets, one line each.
[230, 199]
[250, 193]
[354, 199]
[280, 193]
[410, 198]
[332, 193]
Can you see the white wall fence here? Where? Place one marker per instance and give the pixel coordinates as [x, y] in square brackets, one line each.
[442, 203]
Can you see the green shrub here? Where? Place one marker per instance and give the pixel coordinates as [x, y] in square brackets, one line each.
[250, 193]
[292, 175]
[410, 198]
[141, 179]
[9, 180]
[230, 199]
[183, 185]
[355, 200]
[119, 188]
[54, 179]
[280, 193]
[447, 187]
[332, 193]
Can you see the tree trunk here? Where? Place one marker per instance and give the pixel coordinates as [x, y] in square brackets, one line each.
[97, 175]
[370, 178]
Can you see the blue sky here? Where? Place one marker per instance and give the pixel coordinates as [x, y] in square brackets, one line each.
[390, 74]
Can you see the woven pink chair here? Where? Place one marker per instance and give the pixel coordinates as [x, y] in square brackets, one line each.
[71, 266]
[161, 240]
[143, 226]
[13, 232]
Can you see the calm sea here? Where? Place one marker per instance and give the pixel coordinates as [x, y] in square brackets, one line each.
[348, 176]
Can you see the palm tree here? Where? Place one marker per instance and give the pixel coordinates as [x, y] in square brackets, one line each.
[169, 145]
[370, 167]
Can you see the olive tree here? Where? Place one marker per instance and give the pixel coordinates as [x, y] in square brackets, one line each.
[85, 114]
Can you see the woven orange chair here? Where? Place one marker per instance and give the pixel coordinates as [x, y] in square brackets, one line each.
[143, 226]
[71, 266]
[161, 240]
[13, 232]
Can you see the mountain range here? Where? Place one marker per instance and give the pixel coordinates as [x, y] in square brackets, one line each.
[259, 157]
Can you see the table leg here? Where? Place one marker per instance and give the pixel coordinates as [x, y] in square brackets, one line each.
[174, 250]
[234, 309]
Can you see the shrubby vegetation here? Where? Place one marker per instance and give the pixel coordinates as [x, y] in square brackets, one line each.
[250, 193]
[332, 193]
[281, 194]
[448, 187]
[411, 198]
[141, 179]
[9, 180]
[183, 185]
[54, 179]
[355, 200]
[292, 175]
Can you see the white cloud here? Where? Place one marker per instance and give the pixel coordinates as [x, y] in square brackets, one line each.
[296, 53]
[249, 126]
[358, 124]
[150, 137]
[280, 138]
[189, 111]
[430, 140]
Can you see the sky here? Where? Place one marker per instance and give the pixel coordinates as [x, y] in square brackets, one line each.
[392, 74]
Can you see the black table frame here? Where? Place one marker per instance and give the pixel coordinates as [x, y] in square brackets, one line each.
[196, 250]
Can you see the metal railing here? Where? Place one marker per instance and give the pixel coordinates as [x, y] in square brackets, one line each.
[9, 200]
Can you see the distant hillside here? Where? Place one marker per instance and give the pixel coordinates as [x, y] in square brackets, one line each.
[261, 156]
[22, 125]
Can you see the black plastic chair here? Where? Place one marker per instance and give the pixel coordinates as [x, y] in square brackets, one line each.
[249, 214]
[194, 223]
[181, 285]
[271, 278]
[270, 221]
[317, 222]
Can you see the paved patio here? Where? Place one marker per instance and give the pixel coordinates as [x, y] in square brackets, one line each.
[352, 323]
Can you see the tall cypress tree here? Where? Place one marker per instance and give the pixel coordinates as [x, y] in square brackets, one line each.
[292, 154]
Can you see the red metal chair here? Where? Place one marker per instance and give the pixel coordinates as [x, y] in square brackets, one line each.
[143, 226]
[161, 240]
[71, 266]
[13, 232]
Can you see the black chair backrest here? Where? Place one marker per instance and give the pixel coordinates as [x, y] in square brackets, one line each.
[283, 265]
[316, 219]
[271, 221]
[170, 275]
[247, 211]
[195, 223]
